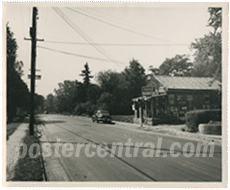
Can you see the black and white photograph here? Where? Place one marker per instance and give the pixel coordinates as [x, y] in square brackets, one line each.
[115, 94]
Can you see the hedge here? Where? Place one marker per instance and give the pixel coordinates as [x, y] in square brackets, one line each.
[195, 117]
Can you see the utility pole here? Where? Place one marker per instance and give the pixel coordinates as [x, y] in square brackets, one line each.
[33, 35]
[140, 113]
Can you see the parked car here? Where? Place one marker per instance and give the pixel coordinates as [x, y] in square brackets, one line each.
[102, 115]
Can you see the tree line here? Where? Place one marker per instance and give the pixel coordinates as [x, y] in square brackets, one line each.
[114, 91]
[17, 95]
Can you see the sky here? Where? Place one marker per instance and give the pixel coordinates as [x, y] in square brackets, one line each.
[106, 36]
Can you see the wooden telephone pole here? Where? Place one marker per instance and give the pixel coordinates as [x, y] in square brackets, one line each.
[33, 35]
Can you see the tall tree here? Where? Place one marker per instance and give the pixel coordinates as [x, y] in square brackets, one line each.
[215, 19]
[135, 78]
[179, 65]
[39, 103]
[49, 103]
[68, 95]
[17, 91]
[208, 50]
[108, 80]
[86, 75]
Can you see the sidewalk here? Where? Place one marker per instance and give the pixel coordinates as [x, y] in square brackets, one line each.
[174, 130]
[169, 130]
[19, 164]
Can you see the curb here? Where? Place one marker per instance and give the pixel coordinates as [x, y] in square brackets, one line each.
[44, 175]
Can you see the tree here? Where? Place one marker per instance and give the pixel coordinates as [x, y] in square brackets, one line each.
[86, 75]
[215, 19]
[18, 67]
[135, 78]
[108, 80]
[176, 66]
[39, 103]
[49, 103]
[153, 70]
[107, 101]
[121, 87]
[65, 96]
[93, 93]
[17, 91]
[208, 50]
[68, 95]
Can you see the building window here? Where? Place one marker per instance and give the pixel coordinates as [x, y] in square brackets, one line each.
[207, 99]
[171, 99]
[179, 98]
[189, 98]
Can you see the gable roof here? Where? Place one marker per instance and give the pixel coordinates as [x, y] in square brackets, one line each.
[190, 83]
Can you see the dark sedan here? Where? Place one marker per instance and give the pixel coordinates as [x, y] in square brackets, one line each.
[102, 115]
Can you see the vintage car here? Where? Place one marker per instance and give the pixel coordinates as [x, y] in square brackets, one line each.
[102, 115]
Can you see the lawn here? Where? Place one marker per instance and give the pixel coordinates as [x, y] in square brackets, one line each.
[12, 126]
[123, 118]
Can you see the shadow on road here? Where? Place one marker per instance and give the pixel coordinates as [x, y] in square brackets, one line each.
[39, 121]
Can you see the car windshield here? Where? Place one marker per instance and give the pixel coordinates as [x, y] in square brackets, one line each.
[104, 112]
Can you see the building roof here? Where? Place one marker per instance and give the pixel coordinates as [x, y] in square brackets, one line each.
[190, 83]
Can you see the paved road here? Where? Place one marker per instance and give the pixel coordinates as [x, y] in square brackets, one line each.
[122, 163]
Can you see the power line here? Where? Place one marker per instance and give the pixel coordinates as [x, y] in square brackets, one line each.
[82, 34]
[113, 44]
[116, 26]
[74, 54]
[117, 19]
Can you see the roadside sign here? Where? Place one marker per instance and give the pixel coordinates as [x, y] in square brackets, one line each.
[37, 77]
[147, 90]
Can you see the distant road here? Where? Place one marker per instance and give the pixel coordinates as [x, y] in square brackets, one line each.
[127, 165]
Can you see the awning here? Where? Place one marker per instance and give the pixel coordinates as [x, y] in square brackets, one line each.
[144, 98]
[141, 98]
[137, 99]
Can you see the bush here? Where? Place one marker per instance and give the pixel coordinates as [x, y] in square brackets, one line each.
[85, 108]
[195, 117]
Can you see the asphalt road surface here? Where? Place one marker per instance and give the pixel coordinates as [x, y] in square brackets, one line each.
[94, 156]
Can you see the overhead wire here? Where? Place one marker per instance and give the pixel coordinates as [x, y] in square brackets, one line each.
[74, 54]
[83, 35]
[114, 44]
[116, 26]
[130, 23]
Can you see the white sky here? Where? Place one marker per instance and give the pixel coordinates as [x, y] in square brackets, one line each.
[180, 24]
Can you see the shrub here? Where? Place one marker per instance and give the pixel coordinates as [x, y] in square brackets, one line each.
[85, 108]
[195, 117]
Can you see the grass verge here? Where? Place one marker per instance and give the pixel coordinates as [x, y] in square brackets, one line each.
[28, 168]
[12, 126]
[123, 118]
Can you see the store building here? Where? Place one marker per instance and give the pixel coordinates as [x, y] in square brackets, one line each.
[167, 98]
